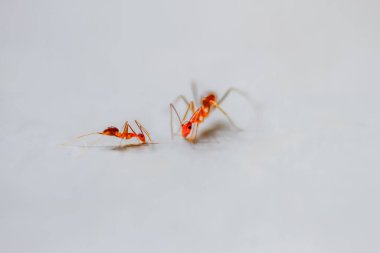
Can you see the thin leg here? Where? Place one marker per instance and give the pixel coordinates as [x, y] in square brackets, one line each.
[125, 128]
[133, 131]
[124, 133]
[194, 90]
[225, 114]
[172, 108]
[142, 129]
[190, 106]
[183, 98]
[194, 133]
[229, 91]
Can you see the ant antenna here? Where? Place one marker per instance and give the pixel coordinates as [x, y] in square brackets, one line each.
[171, 118]
[66, 143]
[86, 135]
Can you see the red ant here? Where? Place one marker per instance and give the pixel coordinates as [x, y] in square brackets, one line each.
[114, 131]
[208, 103]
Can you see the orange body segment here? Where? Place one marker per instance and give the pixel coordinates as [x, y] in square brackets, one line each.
[114, 131]
[208, 103]
[199, 115]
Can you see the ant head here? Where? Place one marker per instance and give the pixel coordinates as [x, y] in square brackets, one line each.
[141, 136]
[112, 131]
[186, 129]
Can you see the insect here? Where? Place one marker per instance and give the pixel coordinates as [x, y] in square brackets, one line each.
[125, 134]
[208, 103]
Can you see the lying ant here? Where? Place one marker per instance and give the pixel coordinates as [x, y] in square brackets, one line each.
[125, 134]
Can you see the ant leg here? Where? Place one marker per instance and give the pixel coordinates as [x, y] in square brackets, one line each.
[225, 114]
[143, 130]
[229, 91]
[140, 127]
[133, 131]
[194, 133]
[172, 107]
[125, 128]
[183, 98]
[189, 107]
[194, 90]
[124, 134]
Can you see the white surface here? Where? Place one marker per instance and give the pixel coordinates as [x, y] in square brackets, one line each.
[303, 177]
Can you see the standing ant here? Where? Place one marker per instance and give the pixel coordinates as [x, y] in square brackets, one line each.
[189, 127]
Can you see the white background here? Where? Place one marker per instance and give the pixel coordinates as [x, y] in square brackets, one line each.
[302, 177]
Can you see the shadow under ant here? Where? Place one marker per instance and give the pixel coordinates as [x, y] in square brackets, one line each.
[130, 146]
[213, 131]
[124, 147]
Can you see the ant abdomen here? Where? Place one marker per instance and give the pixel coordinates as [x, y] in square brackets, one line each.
[111, 131]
